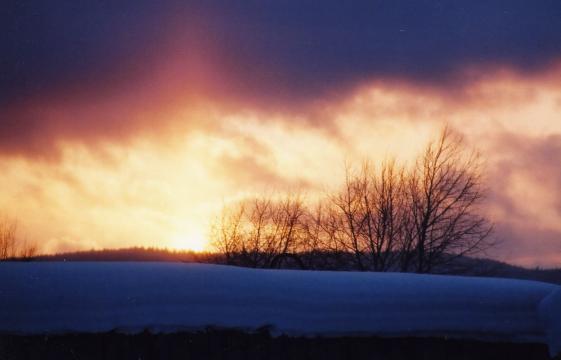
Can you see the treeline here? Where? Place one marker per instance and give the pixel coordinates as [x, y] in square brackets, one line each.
[137, 253]
[385, 217]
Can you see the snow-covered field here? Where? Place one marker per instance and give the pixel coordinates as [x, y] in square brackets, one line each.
[57, 297]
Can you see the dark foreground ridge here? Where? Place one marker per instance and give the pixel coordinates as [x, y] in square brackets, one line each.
[234, 345]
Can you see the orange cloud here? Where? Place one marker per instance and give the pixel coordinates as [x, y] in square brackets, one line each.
[150, 167]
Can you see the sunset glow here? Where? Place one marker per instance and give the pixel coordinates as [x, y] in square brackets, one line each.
[146, 149]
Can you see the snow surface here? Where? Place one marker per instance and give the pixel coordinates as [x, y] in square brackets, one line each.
[57, 297]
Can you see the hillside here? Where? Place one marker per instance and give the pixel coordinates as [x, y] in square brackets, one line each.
[461, 266]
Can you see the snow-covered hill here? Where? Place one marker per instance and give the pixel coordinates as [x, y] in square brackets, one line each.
[56, 297]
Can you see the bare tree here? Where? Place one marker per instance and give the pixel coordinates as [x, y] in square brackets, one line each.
[11, 245]
[260, 232]
[349, 211]
[385, 215]
[8, 239]
[226, 232]
[371, 214]
[421, 219]
[323, 245]
[383, 218]
[444, 193]
[288, 214]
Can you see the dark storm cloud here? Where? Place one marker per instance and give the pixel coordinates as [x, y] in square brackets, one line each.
[295, 46]
[83, 69]
[44, 44]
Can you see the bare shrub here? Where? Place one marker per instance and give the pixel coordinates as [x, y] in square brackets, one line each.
[12, 245]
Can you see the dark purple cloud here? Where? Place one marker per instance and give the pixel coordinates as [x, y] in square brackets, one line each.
[285, 48]
[84, 69]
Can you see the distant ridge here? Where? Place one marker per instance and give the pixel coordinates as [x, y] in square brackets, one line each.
[461, 266]
[131, 254]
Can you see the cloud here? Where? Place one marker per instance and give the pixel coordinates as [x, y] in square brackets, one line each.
[291, 46]
[526, 180]
[96, 70]
[154, 114]
[527, 245]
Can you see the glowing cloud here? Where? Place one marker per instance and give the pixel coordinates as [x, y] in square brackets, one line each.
[131, 124]
[161, 188]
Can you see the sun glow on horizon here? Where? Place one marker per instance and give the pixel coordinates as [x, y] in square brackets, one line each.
[192, 241]
[168, 185]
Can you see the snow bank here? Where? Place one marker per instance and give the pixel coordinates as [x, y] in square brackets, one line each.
[97, 297]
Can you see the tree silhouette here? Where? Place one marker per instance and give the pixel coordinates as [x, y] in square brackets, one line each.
[444, 195]
[259, 232]
[12, 246]
[385, 218]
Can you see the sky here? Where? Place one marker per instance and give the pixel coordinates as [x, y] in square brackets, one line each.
[128, 123]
